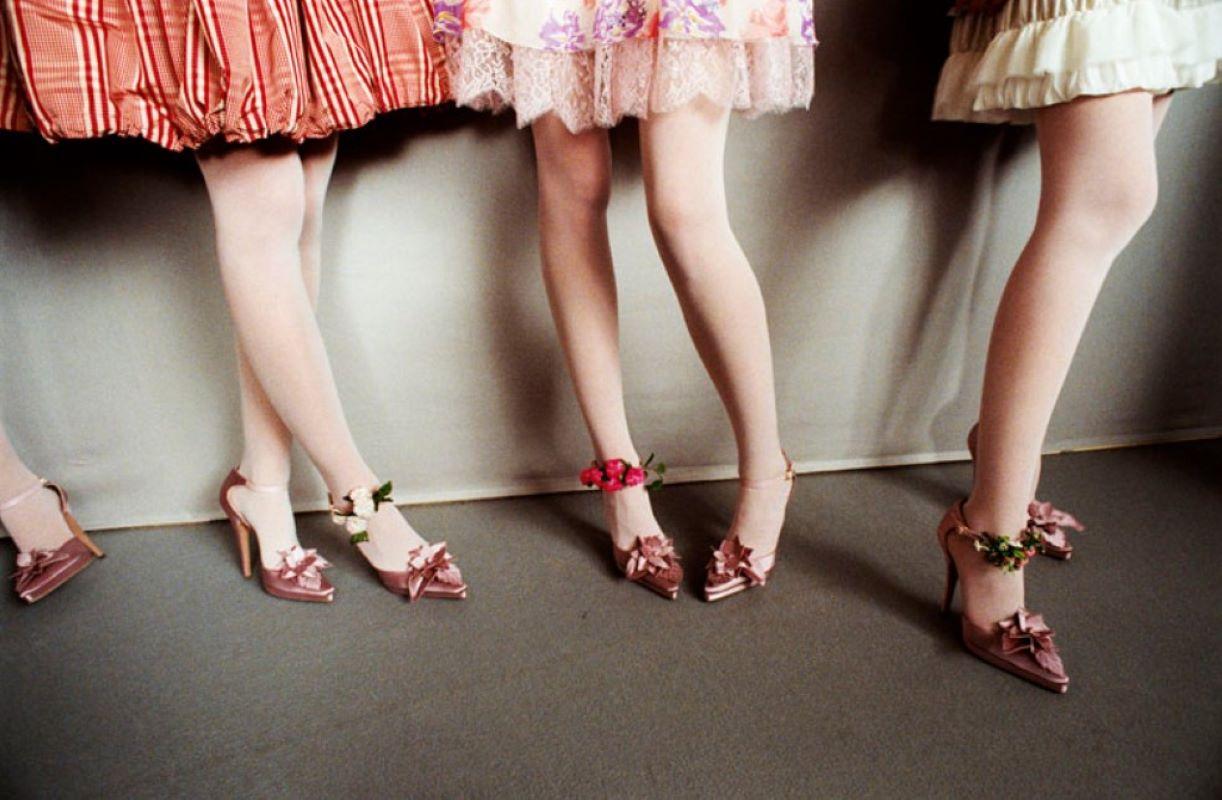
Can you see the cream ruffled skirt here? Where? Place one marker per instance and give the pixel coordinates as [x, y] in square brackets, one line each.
[1037, 53]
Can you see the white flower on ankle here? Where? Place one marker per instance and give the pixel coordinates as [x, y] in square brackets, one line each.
[355, 525]
[362, 502]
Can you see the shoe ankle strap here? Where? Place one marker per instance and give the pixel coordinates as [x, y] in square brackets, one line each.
[24, 494]
[767, 483]
[266, 488]
[262, 488]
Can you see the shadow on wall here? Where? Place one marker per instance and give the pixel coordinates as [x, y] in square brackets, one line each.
[874, 157]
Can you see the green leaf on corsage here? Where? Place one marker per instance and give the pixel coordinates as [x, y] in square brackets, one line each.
[1007, 554]
[357, 538]
[383, 495]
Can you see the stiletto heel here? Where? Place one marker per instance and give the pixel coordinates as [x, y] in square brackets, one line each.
[298, 576]
[735, 568]
[952, 580]
[1051, 520]
[1020, 644]
[650, 561]
[42, 571]
[431, 572]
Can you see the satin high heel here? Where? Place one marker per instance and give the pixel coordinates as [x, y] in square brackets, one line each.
[650, 561]
[734, 568]
[42, 571]
[1022, 643]
[298, 576]
[430, 570]
[1051, 520]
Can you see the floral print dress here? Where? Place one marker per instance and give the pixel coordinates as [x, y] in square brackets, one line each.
[593, 62]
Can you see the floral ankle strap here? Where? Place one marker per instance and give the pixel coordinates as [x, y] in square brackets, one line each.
[365, 502]
[1005, 553]
[616, 474]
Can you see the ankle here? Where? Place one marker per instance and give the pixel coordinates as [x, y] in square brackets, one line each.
[999, 519]
[14, 479]
[342, 487]
[264, 471]
[768, 466]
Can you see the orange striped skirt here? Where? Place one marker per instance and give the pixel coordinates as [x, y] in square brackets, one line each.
[181, 72]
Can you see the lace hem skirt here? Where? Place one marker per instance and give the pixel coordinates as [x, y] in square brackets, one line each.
[1036, 53]
[181, 72]
[632, 78]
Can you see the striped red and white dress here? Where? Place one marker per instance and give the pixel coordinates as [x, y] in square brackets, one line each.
[181, 72]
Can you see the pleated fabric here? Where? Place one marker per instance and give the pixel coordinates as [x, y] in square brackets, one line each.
[181, 72]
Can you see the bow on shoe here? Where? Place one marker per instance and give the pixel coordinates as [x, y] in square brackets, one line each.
[430, 564]
[732, 560]
[1027, 632]
[1052, 521]
[653, 555]
[302, 567]
[33, 564]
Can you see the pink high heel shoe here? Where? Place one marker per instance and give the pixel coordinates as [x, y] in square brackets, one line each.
[298, 576]
[651, 561]
[430, 570]
[1021, 644]
[735, 568]
[42, 571]
[1051, 520]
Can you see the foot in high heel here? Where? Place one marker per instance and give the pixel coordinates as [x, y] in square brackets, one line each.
[1020, 643]
[647, 556]
[1054, 522]
[429, 569]
[736, 567]
[295, 573]
[42, 570]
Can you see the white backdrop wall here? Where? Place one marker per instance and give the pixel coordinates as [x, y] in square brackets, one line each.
[882, 242]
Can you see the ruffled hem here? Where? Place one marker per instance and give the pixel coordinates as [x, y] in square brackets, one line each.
[179, 135]
[632, 78]
[1037, 53]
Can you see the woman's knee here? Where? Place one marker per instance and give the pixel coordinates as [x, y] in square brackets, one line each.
[1106, 211]
[576, 186]
[680, 214]
[1124, 203]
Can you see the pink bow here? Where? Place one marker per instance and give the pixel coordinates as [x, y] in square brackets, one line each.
[653, 555]
[1027, 631]
[33, 564]
[303, 567]
[732, 560]
[1051, 520]
[428, 564]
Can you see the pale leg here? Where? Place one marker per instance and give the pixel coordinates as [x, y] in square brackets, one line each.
[35, 523]
[574, 189]
[683, 154]
[1099, 186]
[259, 205]
[267, 443]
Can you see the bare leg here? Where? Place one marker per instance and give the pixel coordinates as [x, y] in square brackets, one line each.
[1099, 186]
[683, 155]
[258, 197]
[574, 189]
[35, 523]
[1162, 104]
[267, 443]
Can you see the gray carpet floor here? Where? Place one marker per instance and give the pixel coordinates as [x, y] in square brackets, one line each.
[160, 673]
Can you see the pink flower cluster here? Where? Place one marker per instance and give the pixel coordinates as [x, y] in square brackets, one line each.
[612, 475]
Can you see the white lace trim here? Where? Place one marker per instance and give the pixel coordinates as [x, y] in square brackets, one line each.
[636, 77]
